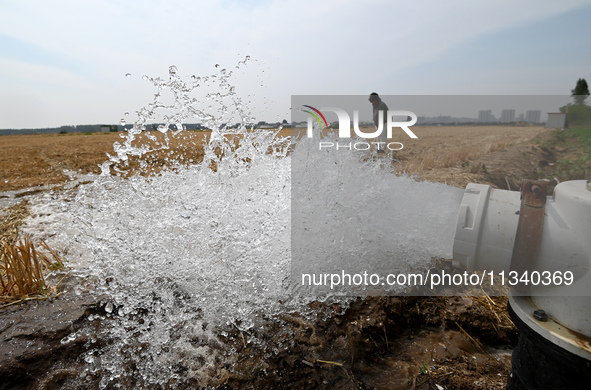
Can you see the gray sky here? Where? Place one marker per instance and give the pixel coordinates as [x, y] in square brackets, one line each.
[64, 62]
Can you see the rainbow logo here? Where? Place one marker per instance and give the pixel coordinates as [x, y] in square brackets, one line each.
[316, 116]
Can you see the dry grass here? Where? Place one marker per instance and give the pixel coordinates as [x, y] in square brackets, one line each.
[444, 153]
[22, 266]
[22, 269]
[444, 147]
[32, 160]
[440, 154]
[11, 219]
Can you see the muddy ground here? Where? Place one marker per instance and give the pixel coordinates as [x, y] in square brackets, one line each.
[376, 343]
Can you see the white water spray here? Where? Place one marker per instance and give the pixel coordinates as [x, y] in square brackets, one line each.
[193, 252]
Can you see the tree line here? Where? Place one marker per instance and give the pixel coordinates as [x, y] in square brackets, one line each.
[92, 129]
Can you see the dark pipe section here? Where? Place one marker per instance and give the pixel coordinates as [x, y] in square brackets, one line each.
[538, 364]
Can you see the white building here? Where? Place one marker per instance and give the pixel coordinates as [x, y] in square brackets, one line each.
[485, 116]
[556, 120]
[508, 116]
[533, 116]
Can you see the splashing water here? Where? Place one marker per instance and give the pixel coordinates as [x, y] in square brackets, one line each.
[352, 214]
[202, 249]
[188, 253]
[185, 103]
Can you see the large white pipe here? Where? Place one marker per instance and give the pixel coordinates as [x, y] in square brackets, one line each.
[485, 237]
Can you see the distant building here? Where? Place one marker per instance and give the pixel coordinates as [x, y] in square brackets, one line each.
[508, 116]
[444, 119]
[556, 120]
[108, 128]
[485, 116]
[533, 116]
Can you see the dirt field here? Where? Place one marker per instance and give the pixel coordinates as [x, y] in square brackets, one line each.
[444, 154]
[32, 160]
[382, 343]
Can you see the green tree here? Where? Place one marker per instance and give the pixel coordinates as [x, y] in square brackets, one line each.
[580, 92]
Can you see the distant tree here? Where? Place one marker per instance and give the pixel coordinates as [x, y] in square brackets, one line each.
[580, 92]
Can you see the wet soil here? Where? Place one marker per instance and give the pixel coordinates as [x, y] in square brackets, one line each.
[389, 343]
[375, 343]
[32, 355]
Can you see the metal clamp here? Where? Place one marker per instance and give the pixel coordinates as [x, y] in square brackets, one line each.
[529, 229]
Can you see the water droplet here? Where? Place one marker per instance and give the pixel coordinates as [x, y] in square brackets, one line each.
[127, 74]
[217, 65]
[145, 77]
[109, 307]
[127, 113]
[122, 122]
[172, 70]
[68, 339]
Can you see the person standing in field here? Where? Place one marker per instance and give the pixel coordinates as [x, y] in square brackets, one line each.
[379, 105]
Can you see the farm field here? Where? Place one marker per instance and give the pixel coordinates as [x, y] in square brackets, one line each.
[441, 154]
